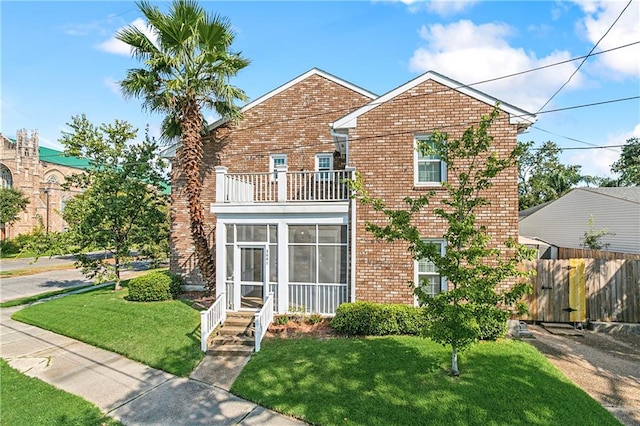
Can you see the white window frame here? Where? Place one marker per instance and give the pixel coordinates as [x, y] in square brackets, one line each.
[272, 164]
[417, 160]
[418, 274]
[324, 176]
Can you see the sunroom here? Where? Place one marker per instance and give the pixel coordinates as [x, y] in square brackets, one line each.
[294, 244]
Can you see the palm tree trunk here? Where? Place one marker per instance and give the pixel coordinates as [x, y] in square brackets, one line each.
[191, 162]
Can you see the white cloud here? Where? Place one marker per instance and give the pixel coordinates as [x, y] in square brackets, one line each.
[438, 7]
[115, 46]
[597, 162]
[470, 53]
[599, 16]
[112, 84]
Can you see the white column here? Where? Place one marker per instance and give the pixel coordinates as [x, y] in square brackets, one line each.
[221, 174]
[281, 173]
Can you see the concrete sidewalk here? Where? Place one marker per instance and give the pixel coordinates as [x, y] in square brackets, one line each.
[132, 393]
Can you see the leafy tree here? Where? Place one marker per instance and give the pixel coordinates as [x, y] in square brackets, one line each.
[627, 167]
[541, 175]
[122, 206]
[188, 64]
[473, 267]
[592, 239]
[12, 202]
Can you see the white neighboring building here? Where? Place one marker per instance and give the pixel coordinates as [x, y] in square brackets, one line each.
[564, 221]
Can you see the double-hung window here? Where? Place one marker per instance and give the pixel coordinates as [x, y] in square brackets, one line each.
[429, 169]
[276, 160]
[427, 275]
[324, 163]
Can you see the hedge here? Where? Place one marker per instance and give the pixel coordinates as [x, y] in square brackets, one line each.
[154, 287]
[376, 319]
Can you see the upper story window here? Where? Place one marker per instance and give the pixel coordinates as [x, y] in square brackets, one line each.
[324, 162]
[52, 179]
[276, 160]
[427, 275]
[429, 169]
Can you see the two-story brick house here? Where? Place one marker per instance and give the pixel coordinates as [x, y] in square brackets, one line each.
[280, 212]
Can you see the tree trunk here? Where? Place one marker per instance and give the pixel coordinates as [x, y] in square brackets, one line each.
[191, 163]
[454, 362]
[116, 267]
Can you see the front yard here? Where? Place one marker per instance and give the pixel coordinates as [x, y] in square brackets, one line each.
[404, 380]
[164, 335]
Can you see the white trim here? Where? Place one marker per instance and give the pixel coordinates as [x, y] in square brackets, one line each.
[291, 83]
[517, 115]
[443, 165]
[416, 268]
[260, 209]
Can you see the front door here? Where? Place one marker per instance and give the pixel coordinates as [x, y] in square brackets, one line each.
[252, 270]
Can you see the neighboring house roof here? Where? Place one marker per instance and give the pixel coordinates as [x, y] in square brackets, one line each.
[564, 222]
[53, 156]
[531, 210]
[518, 116]
[291, 83]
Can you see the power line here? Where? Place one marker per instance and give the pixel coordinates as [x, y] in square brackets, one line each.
[586, 57]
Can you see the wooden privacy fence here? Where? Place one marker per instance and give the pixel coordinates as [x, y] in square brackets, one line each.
[575, 253]
[572, 290]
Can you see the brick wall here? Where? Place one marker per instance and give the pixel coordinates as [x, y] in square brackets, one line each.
[293, 122]
[381, 148]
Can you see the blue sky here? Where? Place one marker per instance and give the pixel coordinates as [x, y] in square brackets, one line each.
[59, 59]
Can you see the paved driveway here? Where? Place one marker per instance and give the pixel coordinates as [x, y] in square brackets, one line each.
[606, 366]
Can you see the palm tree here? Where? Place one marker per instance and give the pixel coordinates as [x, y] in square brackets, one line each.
[188, 64]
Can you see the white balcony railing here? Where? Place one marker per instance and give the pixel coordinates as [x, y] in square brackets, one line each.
[282, 186]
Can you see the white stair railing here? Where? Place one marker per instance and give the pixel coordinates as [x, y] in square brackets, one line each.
[263, 319]
[211, 318]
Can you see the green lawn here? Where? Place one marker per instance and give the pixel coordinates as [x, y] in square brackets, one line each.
[405, 380]
[28, 401]
[164, 335]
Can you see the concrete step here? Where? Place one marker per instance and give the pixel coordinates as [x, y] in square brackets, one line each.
[224, 350]
[230, 330]
[233, 340]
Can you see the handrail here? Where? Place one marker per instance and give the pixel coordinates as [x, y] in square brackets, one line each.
[263, 319]
[210, 319]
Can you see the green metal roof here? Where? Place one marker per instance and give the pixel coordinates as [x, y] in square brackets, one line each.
[57, 157]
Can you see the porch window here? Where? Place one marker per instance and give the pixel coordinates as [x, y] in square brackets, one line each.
[428, 276]
[276, 160]
[324, 163]
[429, 169]
[317, 267]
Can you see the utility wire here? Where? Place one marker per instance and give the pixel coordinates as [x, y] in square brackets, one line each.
[586, 57]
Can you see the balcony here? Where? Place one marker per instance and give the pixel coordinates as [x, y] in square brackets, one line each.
[282, 186]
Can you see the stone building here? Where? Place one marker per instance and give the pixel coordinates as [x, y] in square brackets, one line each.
[39, 173]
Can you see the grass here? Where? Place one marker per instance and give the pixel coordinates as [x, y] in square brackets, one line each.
[405, 380]
[35, 298]
[164, 335]
[18, 255]
[28, 401]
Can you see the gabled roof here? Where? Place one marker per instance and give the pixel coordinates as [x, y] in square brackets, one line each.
[311, 72]
[631, 193]
[517, 116]
[53, 156]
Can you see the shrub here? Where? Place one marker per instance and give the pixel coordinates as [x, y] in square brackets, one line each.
[154, 286]
[492, 322]
[375, 319]
[281, 320]
[313, 319]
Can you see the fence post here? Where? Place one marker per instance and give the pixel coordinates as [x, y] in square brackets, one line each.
[258, 331]
[203, 331]
[221, 172]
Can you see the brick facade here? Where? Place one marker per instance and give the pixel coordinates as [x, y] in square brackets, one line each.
[386, 164]
[293, 122]
[297, 121]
